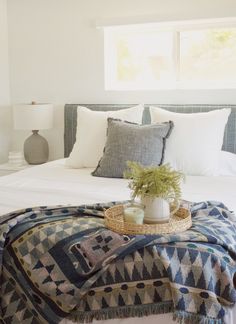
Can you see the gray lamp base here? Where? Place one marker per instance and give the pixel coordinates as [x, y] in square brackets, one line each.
[36, 149]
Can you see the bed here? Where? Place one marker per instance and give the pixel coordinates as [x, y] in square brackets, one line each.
[55, 184]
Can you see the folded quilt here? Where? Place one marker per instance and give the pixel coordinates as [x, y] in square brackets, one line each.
[61, 262]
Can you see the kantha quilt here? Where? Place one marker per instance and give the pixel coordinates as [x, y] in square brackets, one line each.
[61, 262]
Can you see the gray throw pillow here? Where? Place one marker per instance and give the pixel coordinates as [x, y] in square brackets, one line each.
[132, 142]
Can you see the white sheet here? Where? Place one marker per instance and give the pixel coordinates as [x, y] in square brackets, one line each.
[53, 183]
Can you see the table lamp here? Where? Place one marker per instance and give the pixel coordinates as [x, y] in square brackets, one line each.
[34, 117]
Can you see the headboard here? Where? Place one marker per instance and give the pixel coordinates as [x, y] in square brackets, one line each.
[70, 121]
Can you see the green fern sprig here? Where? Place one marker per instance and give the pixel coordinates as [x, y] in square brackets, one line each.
[161, 181]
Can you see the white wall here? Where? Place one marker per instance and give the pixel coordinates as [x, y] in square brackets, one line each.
[5, 111]
[56, 53]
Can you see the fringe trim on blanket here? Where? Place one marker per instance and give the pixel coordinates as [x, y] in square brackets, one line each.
[122, 312]
[141, 311]
[190, 318]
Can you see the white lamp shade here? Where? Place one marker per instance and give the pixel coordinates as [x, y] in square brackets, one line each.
[33, 116]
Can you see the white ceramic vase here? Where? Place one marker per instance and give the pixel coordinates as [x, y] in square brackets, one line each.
[157, 210]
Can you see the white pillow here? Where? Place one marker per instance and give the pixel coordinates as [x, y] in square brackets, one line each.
[227, 164]
[91, 134]
[196, 140]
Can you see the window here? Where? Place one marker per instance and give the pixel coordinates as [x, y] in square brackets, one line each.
[208, 56]
[156, 56]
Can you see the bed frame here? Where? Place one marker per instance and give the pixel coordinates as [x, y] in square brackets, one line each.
[70, 120]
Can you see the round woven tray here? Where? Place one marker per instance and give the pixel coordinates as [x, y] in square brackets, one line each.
[180, 221]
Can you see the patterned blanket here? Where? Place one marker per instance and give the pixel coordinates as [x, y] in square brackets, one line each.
[61, 262]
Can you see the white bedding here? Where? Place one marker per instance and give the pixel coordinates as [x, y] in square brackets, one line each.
[53, 183]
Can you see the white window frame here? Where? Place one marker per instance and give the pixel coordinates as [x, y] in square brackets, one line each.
[176, 27]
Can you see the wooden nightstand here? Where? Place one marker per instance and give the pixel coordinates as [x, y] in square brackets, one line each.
[8, 168]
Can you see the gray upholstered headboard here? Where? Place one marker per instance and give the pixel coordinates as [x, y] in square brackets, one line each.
[71, 120]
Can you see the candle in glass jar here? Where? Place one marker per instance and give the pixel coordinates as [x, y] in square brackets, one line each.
[133, 213]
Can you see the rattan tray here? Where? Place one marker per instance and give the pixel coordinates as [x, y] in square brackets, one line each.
[180, 221]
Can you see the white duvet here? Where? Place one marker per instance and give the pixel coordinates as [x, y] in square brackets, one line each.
[53, 184]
